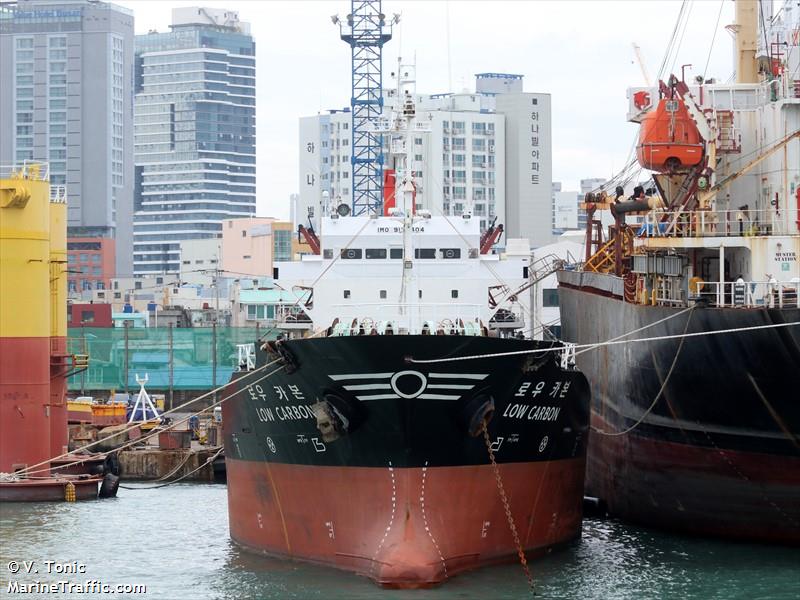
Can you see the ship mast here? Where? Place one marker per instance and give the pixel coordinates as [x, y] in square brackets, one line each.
[400, 128]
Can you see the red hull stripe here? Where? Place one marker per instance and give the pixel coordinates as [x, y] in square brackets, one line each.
[697, 490]
[409, 527]
[48, 490]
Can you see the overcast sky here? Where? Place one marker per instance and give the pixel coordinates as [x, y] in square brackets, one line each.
[580, 51]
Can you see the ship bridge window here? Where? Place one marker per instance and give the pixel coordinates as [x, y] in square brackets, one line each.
[351, 253]
[451, 253]
[346, 293]
[425, 253]
[327, 253]
[395, 253]
[375, 252]
[454, 293]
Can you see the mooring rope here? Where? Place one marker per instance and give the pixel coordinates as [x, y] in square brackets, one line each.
[32, 469]
[601, 344]
[207, 461]
[658, 395]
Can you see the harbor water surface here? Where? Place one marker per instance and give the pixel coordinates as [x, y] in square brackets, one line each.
[175, 541]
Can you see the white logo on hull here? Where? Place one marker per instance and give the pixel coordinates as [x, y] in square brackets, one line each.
[433, 386]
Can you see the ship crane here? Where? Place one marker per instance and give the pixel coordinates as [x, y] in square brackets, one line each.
[638, 53]
[490, 237]
[366, 31]
[310, 237]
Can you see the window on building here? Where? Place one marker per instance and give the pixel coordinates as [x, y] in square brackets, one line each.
[159, 280]
[244, 233]
[96, 259]
[346, 294]
[382, 294]
[257, 312]
[137, 285]
[549, 297]
[454, 293]
[87, 316]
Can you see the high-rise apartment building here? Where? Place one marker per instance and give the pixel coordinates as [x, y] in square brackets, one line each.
[529, 165]
[66, 98]
[467, 161]
[455, 164]
[194, 133]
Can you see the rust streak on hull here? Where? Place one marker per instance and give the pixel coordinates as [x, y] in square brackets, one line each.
[402, 527]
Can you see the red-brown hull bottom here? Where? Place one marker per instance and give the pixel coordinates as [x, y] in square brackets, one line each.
[409, 527]
[47, 490]
[24, 396]
[697, 490]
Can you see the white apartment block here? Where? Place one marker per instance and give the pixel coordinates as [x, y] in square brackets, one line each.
[470, 160]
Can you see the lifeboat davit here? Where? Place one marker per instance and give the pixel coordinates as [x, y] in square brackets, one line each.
[669, 140]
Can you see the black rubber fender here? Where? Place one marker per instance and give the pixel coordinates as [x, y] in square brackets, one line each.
[471, 413]
[109, 487]
[111, 464]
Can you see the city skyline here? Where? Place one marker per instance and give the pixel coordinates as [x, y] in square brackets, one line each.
[304, 68]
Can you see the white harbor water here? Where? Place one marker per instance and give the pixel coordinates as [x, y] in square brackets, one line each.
[174, 541]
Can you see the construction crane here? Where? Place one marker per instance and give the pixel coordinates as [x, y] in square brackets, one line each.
[638, 52]
[366, 31]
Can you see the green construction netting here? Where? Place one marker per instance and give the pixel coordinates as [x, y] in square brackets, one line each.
[185, 356]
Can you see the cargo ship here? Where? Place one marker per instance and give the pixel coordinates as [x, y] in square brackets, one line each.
[344, 447]
[694, 309]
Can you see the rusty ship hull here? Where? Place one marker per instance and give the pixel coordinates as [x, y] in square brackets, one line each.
[719, 452]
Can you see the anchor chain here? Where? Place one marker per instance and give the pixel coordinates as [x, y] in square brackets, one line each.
[504, 499]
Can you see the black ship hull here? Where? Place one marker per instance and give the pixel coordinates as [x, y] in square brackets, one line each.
[352, 457]
[718, 451]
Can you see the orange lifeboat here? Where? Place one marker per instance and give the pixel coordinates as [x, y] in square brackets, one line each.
[669, 140]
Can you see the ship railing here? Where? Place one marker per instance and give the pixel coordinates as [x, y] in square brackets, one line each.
[750, 294]
[407, 318]
[28, 169]
[709, 223]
